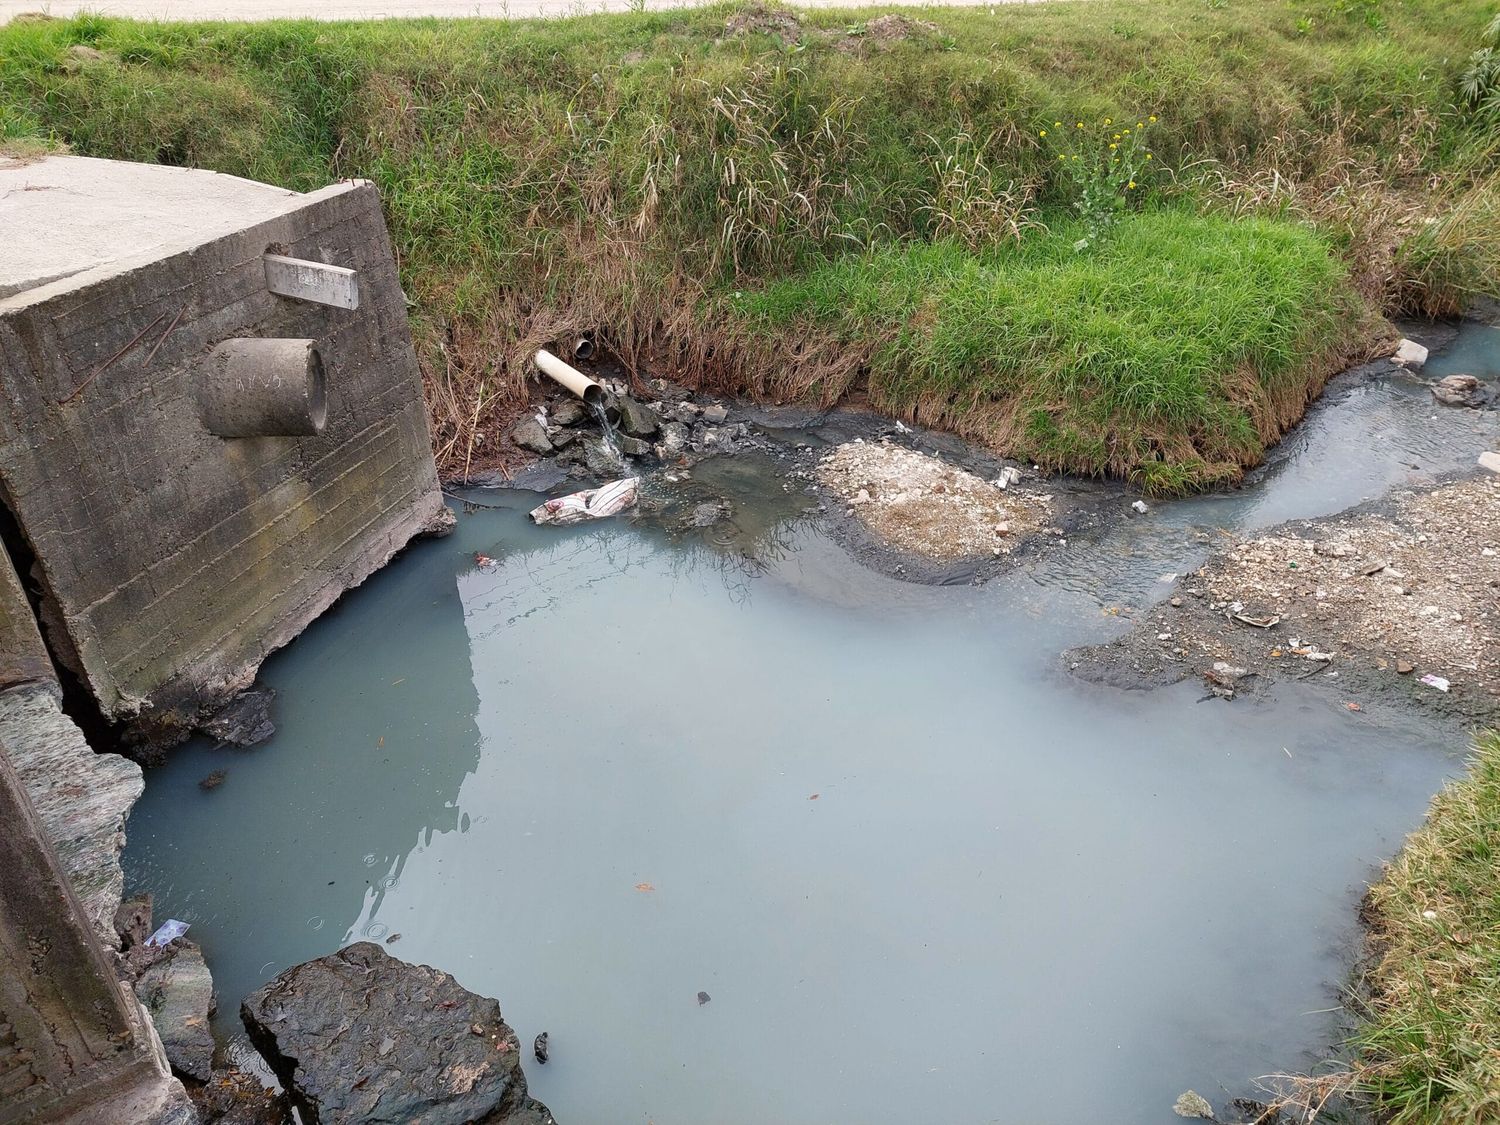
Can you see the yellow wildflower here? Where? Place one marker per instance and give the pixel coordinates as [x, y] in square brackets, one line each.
[1112, 147]
[1152, 118]
[1057, 124]
[1131, 184]
[1117, 136]
[1150, 157]
[1127, 132]
[1140, 124]
[1108, 121]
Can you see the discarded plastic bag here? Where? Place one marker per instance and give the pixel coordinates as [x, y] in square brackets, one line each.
[170, 931]
[591, 504]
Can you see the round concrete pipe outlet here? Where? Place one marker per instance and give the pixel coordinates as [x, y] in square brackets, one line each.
[264, 388]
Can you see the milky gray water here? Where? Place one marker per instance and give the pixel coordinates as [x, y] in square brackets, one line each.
[923, 874]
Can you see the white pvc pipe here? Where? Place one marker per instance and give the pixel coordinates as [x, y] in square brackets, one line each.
[571, 378]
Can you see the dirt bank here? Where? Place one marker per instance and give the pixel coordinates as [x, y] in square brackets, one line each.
[1399, 599]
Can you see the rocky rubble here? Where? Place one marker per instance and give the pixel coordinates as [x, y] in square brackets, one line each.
[671, 427]
[362, 1038]
[1403, 595]
[916, 502]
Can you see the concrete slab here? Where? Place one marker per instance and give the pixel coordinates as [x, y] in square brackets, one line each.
[66, 214]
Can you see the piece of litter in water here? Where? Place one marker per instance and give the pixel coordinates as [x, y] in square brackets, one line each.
[170, 930]
[591, 504]
[703, 998]
[1436, 682]
[644, 888]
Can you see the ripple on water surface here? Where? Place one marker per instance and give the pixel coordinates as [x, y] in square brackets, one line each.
[923, 875]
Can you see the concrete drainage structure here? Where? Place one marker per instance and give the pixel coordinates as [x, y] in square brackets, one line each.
[212, 426]
[213, 421]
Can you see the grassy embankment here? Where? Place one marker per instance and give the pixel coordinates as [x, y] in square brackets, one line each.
[818, 204]
[1430, 1051]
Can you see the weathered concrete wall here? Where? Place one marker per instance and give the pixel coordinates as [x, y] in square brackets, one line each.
[173, 561]
[74, 1045]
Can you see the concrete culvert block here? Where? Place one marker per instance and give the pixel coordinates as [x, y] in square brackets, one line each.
[264, 388]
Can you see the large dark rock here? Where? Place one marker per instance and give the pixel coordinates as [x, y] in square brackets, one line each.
[361, 1037]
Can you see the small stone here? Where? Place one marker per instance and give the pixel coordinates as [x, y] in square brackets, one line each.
[1141, 507]
[539, 1048]
[1002, 528]
[529, 434]
[674, 438]
[1192, 1104]
[1490, 461]
[633, 446]
[1175, 603]
[716, 413]
[687, 413]
[703, 998]
[1411, 354]
[568, 412]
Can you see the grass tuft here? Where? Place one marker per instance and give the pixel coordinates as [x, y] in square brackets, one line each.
[1173, 353]
[1430, 1053]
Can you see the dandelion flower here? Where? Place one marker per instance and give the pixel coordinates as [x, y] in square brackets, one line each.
[1075, 158]
[1061, 156]
[1057, 124]
[1150, 157]
[1151, 118]
[1127, 132]
[1113, 146]
[1109, 121]
[1117, 136]
[1140, 124]
[1080, 124]
[1042, 133]
[1131, 184]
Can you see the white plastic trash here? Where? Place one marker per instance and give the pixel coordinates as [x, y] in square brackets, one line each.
[591, 504]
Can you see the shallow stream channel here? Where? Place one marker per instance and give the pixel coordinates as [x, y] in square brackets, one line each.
[921, 872]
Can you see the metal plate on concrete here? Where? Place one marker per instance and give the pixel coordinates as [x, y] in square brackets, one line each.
[312, 281]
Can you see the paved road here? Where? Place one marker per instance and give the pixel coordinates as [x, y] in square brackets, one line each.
[366, 9]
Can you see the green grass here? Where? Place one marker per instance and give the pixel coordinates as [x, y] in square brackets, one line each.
[1173, 353]
[623, 173]
[1430, 1054]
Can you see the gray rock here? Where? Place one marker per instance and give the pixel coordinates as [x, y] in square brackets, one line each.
[567, 412]
[1459, 390]
[709, 513]
[179, 993]
[246, 719]
[715, 413]
[528, 433]
[361, 1038]
[599, 458]
[635, 420]
[563, 438]
[686, 413]
[634, 447]
[672, 392]
[674, 438]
